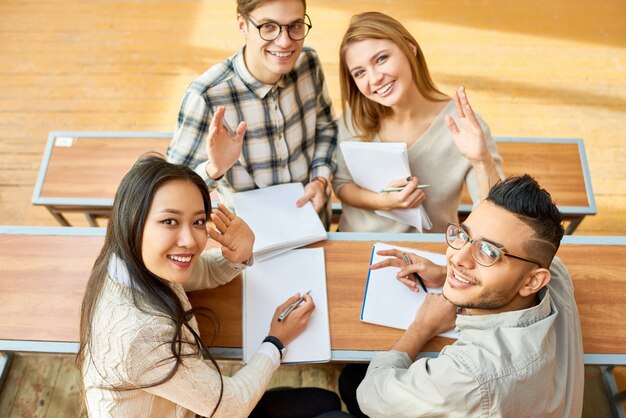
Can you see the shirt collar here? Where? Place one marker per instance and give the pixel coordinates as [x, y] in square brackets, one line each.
[254, 85]
[514, 319]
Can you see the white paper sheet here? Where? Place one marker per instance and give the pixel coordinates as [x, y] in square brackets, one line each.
[269, 283]
[387, 301]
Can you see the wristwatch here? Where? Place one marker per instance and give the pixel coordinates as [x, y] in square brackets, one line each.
[279, 345]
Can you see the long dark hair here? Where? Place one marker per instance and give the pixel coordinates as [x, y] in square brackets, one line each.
[124, 239]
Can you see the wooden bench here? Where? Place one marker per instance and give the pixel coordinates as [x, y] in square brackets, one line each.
[80, 171]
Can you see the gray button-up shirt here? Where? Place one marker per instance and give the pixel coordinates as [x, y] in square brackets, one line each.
[526, 363]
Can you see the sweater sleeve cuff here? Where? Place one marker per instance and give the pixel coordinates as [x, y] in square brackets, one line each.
[271, 351]
[244, 264]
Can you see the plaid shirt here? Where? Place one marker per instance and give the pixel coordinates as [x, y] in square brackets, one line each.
[291, 134]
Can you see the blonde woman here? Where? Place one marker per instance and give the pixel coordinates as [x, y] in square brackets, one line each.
[388, 96]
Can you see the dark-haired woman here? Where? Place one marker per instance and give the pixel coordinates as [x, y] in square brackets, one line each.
[140, 353]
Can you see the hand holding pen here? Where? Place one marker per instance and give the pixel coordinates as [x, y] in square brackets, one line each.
[409, 264]
[295, 321]
[401, 194]
[291, 307]
[416, 277]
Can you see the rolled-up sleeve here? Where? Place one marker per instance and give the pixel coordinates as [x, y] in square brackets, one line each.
[189, 142]
[323, 163]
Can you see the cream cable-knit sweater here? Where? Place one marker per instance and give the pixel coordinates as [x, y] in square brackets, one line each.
[131, 348]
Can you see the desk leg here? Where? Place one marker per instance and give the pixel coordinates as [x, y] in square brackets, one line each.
[615, 398]
[91, 220]
[60, 218]
[573, 225]
[5, 364]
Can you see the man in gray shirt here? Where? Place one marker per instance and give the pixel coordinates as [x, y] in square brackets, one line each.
[519, 352]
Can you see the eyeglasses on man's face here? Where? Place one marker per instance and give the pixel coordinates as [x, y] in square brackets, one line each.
[270, 31]
[483, 252]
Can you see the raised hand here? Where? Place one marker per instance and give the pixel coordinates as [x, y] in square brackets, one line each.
[409, 197]
[469, 137]
[235, 236]
[222, 148]
[432, 274]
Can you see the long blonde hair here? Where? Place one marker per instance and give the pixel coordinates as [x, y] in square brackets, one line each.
[366, 114]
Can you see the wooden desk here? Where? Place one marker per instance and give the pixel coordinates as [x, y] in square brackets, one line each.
[80, 171]
[83, 177]
[45, 270]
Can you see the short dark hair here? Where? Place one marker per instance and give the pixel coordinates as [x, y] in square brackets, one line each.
[522, 196]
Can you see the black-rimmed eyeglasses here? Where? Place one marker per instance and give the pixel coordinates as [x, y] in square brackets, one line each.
[483, 252]
[270, 31]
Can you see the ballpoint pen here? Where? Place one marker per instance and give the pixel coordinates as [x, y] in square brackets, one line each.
[400, 188]
[416, 277]
[291, 307]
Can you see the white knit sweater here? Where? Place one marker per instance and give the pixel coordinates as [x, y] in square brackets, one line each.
[130, 348]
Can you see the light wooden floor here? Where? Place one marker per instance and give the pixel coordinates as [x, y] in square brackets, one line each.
[532, 69]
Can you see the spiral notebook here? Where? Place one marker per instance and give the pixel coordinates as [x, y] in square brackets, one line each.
[387, 301]
[267, 284]
[277, 223]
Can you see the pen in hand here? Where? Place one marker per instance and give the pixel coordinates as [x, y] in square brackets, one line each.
[399, 189]
[415, 276]
[291, 307]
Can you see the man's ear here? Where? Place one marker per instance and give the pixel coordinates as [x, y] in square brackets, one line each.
[535, 281]
[242, 24]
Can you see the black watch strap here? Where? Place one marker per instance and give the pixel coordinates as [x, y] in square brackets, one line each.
[277, 343]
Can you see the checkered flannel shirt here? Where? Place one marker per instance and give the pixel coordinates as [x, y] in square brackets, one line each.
[291, 134]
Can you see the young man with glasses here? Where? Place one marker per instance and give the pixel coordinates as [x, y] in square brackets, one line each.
[519, 351]
[272, 91]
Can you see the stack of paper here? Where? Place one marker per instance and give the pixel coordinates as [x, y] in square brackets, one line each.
[373, 165]
[268, 284]
[277, 223]
[387, 301]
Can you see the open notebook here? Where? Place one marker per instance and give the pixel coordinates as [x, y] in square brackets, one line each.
[277, 223]
[373, 165]
[269, 283]
[387, 301]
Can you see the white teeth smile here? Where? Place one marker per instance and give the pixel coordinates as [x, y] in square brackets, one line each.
[461, 279]
[384, 89]
[180, 259]
[280, 54]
